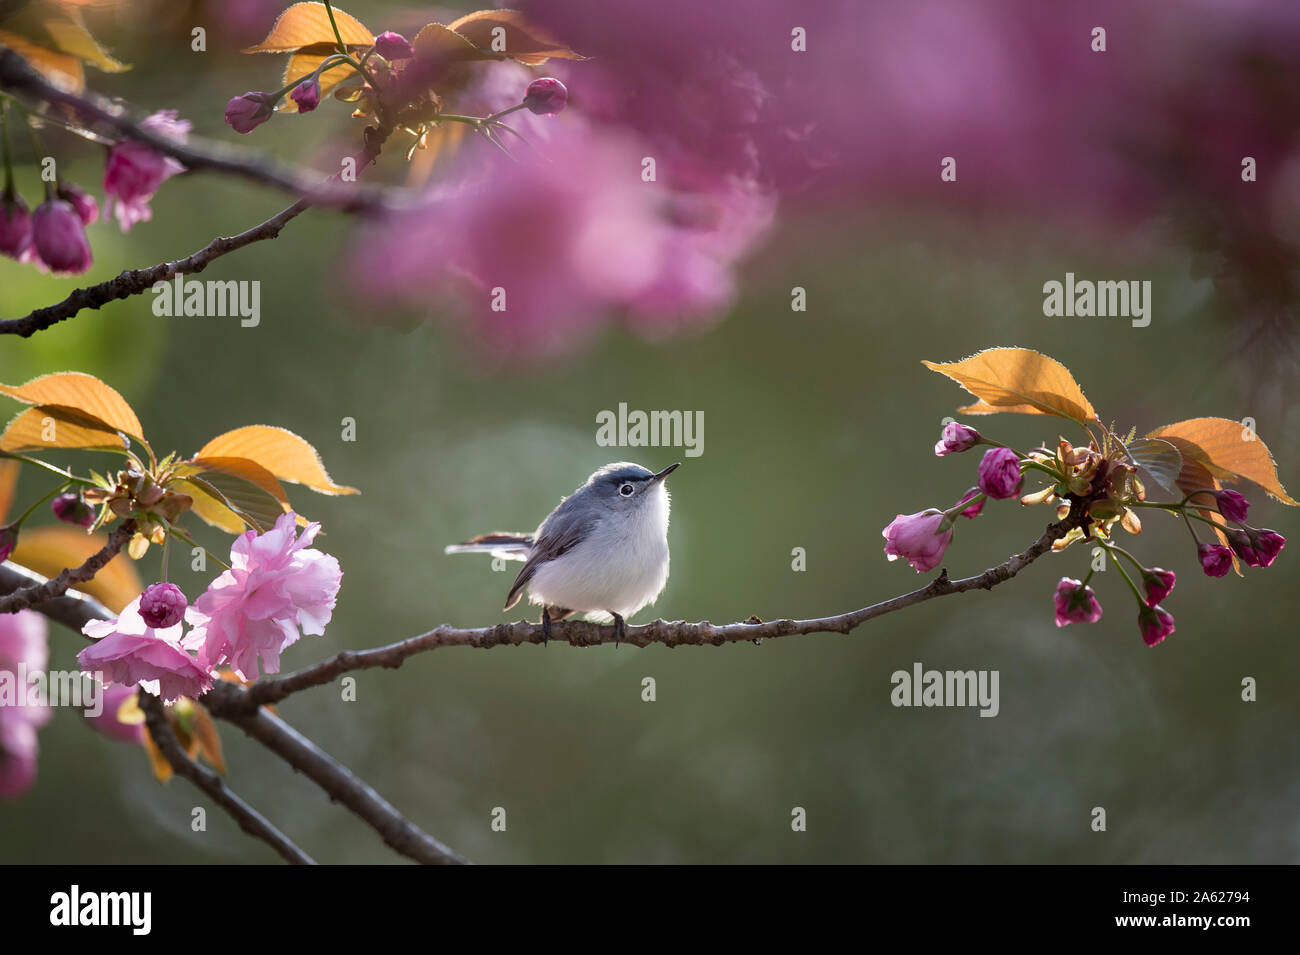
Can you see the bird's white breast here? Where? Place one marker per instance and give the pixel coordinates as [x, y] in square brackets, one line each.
[621, 566]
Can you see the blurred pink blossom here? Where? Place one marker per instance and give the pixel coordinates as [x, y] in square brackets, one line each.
[23, 640]
[134, 171]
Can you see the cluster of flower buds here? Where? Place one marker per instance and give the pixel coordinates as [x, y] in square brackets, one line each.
[132, 493]
[1094, 489]
[393, 81]
[53, 237]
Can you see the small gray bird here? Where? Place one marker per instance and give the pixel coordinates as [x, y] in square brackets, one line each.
[602, 552]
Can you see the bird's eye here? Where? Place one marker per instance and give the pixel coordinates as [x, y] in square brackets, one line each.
[626, 490]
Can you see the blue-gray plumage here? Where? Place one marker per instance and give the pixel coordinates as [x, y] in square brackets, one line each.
[603, 551]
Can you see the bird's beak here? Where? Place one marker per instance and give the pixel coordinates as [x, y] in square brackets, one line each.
[666, 471]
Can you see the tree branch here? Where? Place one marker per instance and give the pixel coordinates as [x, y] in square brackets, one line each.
[72, 609]
[34, 594]
[249, 819]
[580, 633]
[17, 76]
[137, 281]
[226, 701]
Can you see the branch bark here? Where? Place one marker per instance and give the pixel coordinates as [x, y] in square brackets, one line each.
[225, 701]
[137, 281]
[18, 77]
[248, 818]
[34, 594]
[677, 633]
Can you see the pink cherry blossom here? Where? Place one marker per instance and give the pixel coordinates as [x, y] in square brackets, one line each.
[918, 539]
[999, 473]
[129, 652]
[23, 640]
[277, 588]
[134, 171]
[1075, 603]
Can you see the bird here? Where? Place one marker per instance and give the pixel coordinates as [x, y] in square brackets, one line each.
[602, 552]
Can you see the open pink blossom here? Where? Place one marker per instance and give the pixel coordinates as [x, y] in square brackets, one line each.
[129, 652]
[918, 539]
[277, 588]
[23, 640]
[134, 171]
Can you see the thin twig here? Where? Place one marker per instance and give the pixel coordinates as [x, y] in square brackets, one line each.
[677, 633]
[225, 701]
[18, 77]
[34, 594]
[137, 281]
[248, 818]
[72, 609]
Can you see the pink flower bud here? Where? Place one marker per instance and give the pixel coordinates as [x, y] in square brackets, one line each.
[245, 113]
[71, 509]
[15, 227]
[974, 510]
[162, 605]
[85, 204]
[1075, 603]
[307, 95]
[60, 238]
[999, 473]
[1158, 584]
[918, 539]
[1216, 560]
[1156, 623]
[546, 96]
[1268, 544]
[393, 46]
[8, 540]
[956, 437]
[1232, 505]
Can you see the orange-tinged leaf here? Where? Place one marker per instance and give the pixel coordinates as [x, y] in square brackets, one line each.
[44, 427]
[243, 468]
[437, 41]
[8, 484]
[1227, 450]
[56, 547]
[162, 770]
[1017, 380]
[61, 69]
[211, 507]
[208, 742]
[523, 42]
[71, 36]
[80, 392]
[283, 453]
[304, 24]
[306, 61]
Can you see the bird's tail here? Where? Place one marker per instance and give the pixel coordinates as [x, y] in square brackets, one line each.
[509, 546]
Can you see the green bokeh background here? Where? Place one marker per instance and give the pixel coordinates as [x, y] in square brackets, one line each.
[818, 430]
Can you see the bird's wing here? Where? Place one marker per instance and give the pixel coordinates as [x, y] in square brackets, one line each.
[563, 528]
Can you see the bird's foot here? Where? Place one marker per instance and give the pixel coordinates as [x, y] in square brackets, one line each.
[620, 628]
[546, 626]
